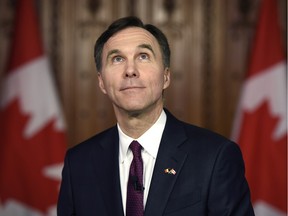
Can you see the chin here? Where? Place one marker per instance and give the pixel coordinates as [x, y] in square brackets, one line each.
[136, 111]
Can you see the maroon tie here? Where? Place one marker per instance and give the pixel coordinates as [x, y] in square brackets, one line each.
[135, 189]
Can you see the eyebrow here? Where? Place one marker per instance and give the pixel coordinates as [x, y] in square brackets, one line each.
[147, 46]
[111, 52]
[117, 51]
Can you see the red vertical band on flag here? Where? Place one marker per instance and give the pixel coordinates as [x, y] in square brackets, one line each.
[261, 122]
[267, 49]
[268, 45]
[32, 129]
[27, 44]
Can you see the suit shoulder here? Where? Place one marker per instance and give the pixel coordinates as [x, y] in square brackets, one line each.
[211, 143]
[96, 141]
[193, 138]
[203, 133]
[192, 132]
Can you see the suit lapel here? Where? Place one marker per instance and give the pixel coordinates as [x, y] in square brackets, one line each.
[169, 156]
[106, 164]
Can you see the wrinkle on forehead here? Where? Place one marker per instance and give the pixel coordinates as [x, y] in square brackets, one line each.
[141, 37]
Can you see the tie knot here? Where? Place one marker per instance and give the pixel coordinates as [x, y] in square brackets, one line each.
[135, 148]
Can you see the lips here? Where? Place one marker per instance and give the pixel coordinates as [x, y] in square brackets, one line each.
[131, 88]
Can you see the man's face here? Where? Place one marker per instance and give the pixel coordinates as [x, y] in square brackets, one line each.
[133, 75]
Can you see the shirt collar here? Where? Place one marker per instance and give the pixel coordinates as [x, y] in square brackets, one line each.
[150, 140]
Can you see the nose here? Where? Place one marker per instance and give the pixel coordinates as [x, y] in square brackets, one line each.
[131, 70]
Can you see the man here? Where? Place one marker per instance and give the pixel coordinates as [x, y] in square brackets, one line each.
[178, 169]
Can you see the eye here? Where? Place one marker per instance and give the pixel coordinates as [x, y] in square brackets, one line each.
[117, 59]
[144, 56]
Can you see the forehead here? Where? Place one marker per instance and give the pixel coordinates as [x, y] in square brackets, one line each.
[132, 36]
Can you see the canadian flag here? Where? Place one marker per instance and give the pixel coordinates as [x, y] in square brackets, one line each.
[261, 122]
[32, 130]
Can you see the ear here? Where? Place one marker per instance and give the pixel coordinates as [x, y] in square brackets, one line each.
[101, 83]
[166, 78]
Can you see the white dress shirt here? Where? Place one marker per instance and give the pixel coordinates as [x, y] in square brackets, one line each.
[150, 142]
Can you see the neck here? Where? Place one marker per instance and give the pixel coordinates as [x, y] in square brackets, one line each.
[134, 124]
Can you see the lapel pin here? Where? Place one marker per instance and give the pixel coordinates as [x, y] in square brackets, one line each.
[170, 171]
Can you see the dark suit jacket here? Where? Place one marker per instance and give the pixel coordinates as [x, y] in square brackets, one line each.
[209, 177]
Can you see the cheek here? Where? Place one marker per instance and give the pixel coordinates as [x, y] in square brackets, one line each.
[104, 84]
[111, 85]
[157, 83]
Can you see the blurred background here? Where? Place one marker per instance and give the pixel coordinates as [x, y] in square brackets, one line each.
[210, 42]
[227, 56]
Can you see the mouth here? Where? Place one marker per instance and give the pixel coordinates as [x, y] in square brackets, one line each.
[131, 88]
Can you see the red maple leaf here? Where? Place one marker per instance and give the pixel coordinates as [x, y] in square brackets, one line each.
[265, 157]
[22, 160]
